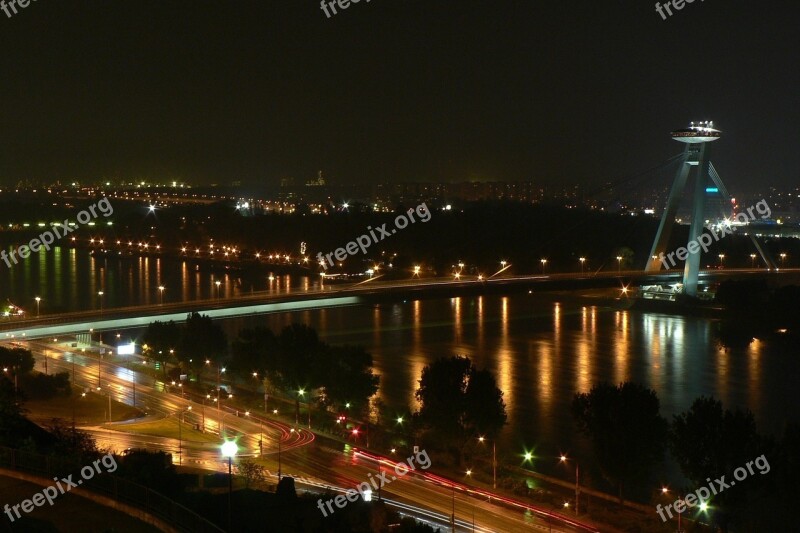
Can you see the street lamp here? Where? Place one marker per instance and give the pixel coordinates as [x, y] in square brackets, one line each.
[266, 394]
[544, 264]
[563, 459]
[494, 460]
[180, 433]
[109, 399]
[528, 457]
[453, 515]
[161, 293]
[38, 299]
[218, 283]
[220, 371]
[300, 393]
[229, 449]
[783, 259]
[14, 368]
[100, 294]
[752, 260]
[260, 434]
[582, 260]
[665, 490]
[721, 260]
[619, 264]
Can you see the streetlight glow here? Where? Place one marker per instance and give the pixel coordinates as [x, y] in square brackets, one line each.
[229, 448]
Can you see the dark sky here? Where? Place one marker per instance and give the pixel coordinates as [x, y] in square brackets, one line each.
[394, 90]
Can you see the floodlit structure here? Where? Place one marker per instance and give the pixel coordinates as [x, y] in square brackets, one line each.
[706, 179]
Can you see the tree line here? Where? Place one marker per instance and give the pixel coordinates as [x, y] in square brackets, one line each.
[629, 437]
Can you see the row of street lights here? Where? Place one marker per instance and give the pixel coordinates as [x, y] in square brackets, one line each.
[100, 295]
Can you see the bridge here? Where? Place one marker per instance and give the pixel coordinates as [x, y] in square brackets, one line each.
[370, 291]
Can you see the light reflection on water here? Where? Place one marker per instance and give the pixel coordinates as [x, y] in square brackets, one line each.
[543, 352]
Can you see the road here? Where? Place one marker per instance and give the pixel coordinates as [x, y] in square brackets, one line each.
[315, 463]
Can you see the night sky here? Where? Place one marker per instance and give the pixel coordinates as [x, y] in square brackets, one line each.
[394, 90]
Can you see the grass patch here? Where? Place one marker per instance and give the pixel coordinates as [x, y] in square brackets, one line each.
[168, 427]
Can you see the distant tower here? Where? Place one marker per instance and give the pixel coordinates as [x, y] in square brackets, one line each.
[696, 137]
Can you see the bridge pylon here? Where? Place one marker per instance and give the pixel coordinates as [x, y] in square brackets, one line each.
[694, 162]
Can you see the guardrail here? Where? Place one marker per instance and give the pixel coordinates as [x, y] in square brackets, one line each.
[138, 496]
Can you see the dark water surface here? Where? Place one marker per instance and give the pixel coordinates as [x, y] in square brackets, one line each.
[542, 350]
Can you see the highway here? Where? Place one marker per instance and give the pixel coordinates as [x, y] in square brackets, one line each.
[317, 464]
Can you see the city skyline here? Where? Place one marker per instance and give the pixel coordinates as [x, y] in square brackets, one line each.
[392, 92]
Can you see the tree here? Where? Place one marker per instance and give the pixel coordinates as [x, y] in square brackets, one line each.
[347, 377]
[45, 387]
[251, 472]
[627, 433]
[68, 441]
[159, 340]
[297, 365]
[18, 359]
[11, 413]
[458, 401]
[708, 441]
[485, 408]
[255, 350]
[202, 339]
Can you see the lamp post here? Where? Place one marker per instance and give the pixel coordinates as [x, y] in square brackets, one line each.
[14, 368]
[563, 459]
[619, 264]
[100, 294]
[721, 260]
[180, 433]
[161, 294]
[217, 283]
[38, 299]
[494, 460]
[469, 473]
[266, 394]
[544, 264]
[752, 260]
[665, 490]
[783, 259]
[99, 389]
[203, 400]
[220, 371]
[582, 260]
[300, 393]
[229, 449]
